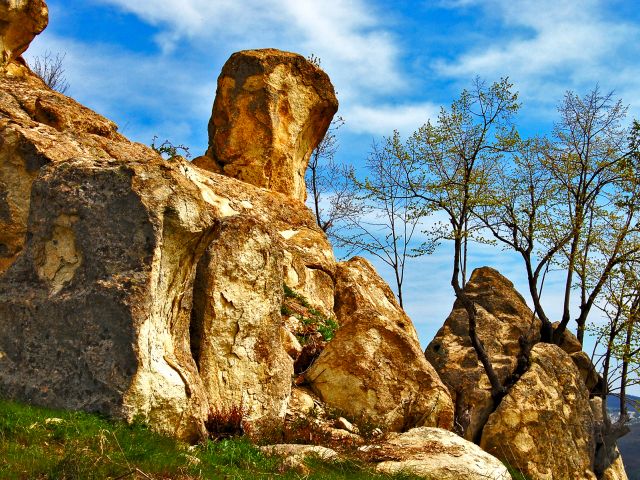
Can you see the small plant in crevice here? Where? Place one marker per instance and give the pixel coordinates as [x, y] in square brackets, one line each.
[229, 423]
[168, 150]
[311, 319]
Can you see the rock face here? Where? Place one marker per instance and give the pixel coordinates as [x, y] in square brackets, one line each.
[544, 426]
[20, 22]
[503, 317]
[435, 453]
[374, 366]
[39, 126]
[272, 108]
[236, 319]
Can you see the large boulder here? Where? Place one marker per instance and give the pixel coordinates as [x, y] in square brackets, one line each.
[271, 110]
[20, 22]
[503, 318]
[236, 330]
[374, 366]
[544, 427]
[435, 453]
[95, 313]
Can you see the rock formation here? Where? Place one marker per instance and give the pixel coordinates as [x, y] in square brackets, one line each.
[435, 453]
[272, 108]
[503, 318]
[141, 287]
[375, 365]
[544, 426]
[20, 22]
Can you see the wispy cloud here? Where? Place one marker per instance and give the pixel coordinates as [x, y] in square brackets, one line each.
[382, 119]
[548, 46]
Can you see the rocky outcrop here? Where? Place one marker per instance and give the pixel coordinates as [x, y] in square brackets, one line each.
[434, 453]
[544, 426]
[272, 108]
[20, 22]
[39, 126]
[374, 366]
[503, 319]
[236, 330]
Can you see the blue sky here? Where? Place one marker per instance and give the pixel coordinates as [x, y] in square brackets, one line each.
[152, 65]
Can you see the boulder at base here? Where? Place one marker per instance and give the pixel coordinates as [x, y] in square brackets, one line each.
[544, 426]
[272, 108]
[432, 453]
[503, 318]
[374, 366]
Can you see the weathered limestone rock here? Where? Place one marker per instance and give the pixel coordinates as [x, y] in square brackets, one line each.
[435, 453]
[503, 317]
[95, 313]
[544, 426]
[237, 299]
[374, 366]
[20, 22]
[570, 344]
[39, 126]
[271, 110]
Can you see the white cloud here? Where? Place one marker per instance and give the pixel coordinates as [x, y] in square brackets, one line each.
[354, 47]
[383, 119]
[551, 46]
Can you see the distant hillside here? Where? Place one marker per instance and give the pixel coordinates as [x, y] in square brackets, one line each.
[629, 444]
[634, 412]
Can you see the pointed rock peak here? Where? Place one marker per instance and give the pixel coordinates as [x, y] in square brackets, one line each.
[271, 110]
[20, 22]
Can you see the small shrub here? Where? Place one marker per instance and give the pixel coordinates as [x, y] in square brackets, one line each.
[224, 424]
[168, 150]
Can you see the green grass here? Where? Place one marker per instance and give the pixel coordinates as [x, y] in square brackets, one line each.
[39, 443]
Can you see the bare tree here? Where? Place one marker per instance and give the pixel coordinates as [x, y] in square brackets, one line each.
[328, 183]
[382, 218]
[51, 70]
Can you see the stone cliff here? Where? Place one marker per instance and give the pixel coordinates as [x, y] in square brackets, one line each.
[141, 287]
[177, 292]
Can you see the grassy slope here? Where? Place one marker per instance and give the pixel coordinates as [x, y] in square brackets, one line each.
[38, 443]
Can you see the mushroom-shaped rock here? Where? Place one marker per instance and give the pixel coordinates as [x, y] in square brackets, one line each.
[544, 426]
[374, 366]
[435, 453]
[271, 110]
[20, 22]
[503, 318]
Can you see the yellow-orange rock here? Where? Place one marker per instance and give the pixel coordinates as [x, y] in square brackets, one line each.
[433, 453]
[39, 126]
[544, 427]
[271, 110]
[237, 299]
[503, 317]
[374, 366]
[20, 22]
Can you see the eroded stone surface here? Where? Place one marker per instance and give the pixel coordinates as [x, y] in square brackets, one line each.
[503, 317]
[271, 110]
[544, 426]
[238, 293]
[435, 453]
[374, 366]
